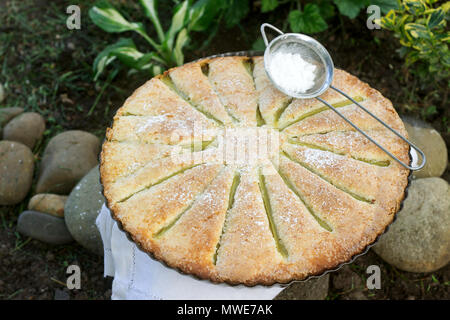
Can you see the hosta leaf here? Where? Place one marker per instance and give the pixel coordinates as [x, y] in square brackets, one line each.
[104, 58]
[178, 22]
[151, 13]
[196, 13]
[210, 10]
[156, 69]
[125, 51]
[307, 21]
[146, 61]
[182, 40]
[105, 16]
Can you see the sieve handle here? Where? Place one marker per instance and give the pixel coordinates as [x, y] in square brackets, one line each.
[263, 32]
[424, 160]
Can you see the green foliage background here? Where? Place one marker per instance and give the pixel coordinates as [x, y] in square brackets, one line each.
[420, 26]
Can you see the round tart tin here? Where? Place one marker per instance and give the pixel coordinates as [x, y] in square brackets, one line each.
[282, 285]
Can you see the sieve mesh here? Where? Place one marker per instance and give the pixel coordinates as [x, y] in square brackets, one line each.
[292, 43]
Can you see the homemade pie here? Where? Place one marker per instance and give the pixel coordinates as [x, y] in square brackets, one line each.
[212, 170]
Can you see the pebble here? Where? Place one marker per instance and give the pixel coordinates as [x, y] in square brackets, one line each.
[66, 159]
[419, 239]
[81, 210]
[6, 114]
[43, 227]
[16, 172]
[48, 203]
[27, 128]
[312, 289]
[424, 136]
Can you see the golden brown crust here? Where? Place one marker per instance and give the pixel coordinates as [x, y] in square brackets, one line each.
[234, 84]
[328, 195]
[194, 85]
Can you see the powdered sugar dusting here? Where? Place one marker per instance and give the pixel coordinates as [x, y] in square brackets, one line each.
[291, 72]
[317, 158]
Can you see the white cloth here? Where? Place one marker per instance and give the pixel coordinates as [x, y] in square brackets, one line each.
[139, 277]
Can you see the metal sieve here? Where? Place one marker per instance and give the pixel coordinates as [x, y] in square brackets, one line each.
[315, 53]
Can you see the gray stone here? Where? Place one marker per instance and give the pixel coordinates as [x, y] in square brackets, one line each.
[431, 143]
[28, 128]
[82, 208]
[419, 240]
[67, 158]
[61, 295]
[48, 203]
[43, 227]
[6, 114]
[313, 289]
[16, 172]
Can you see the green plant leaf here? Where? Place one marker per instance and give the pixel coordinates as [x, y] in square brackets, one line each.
[156, 69]
[151, 13]
[178, 22]
[415, 7]
[268, 5]
[388, 21]
[105, 16]
[326, 9]
[416, 31]
[429, 111]
[147, 60]
[350, 8]
[125, 51]
[436, 18]
[104, 58]
[196, 13]
[259, 45]
[210, 8]
[307, 21]
[385, 5]
[445, 59]
[236, 11]
[182, 40]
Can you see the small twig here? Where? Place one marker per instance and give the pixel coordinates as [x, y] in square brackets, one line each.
[421, 279]
[59, 282]
[12, 295]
